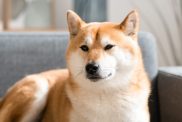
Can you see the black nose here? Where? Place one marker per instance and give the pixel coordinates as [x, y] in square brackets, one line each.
[92, 68]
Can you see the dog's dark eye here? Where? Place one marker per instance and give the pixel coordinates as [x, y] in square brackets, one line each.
[84, 48]
[108, 47]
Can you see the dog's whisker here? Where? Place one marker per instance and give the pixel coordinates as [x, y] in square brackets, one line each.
[78, 73]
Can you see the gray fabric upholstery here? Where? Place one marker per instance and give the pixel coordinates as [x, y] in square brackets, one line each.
[147, 43]
[148, 48]
[170, 94]
[26, 53]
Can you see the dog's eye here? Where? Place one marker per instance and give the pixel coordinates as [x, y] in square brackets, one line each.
[84, 48]
[108, 47]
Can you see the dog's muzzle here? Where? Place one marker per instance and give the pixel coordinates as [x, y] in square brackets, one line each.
[92, 70]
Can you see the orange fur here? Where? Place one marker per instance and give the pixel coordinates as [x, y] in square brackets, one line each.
[60, 106]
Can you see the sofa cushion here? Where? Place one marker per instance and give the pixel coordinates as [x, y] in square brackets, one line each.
[169, 85]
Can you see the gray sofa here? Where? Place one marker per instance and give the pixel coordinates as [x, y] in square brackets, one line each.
[25, 53]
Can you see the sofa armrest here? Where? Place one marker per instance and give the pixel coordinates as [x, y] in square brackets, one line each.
[170, 94]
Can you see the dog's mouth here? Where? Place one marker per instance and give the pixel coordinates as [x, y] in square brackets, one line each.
[97, 77]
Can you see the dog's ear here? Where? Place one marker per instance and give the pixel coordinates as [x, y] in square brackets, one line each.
[74, 22]
[130, 25]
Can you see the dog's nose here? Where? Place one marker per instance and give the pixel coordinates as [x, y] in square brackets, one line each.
[92, 68]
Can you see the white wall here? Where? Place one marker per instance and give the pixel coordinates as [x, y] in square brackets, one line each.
[163, 18]
[61, 8]
[159, 17]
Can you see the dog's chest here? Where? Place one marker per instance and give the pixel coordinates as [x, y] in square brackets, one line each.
[104, 108]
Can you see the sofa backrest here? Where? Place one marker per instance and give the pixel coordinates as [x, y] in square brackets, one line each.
[24, 53]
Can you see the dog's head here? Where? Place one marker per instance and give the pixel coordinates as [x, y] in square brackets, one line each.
[102, 54]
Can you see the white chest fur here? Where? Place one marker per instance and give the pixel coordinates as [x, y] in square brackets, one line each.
[104, 107]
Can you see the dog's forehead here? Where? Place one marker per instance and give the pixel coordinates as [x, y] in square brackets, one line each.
[99, 33]
[89, 40]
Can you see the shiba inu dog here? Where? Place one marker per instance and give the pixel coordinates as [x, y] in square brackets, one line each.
[105, 80]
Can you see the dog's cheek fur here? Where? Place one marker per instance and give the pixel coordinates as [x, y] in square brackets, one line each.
[124, 58]
[108, 64]
[76, 63]
[127, 54]
[126, 62]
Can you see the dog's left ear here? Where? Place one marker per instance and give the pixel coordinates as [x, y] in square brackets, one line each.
[130, 25]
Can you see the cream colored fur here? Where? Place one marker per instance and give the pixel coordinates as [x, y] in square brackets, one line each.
[119, 94]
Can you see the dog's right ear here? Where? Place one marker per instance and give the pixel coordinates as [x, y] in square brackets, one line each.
[74, 22]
